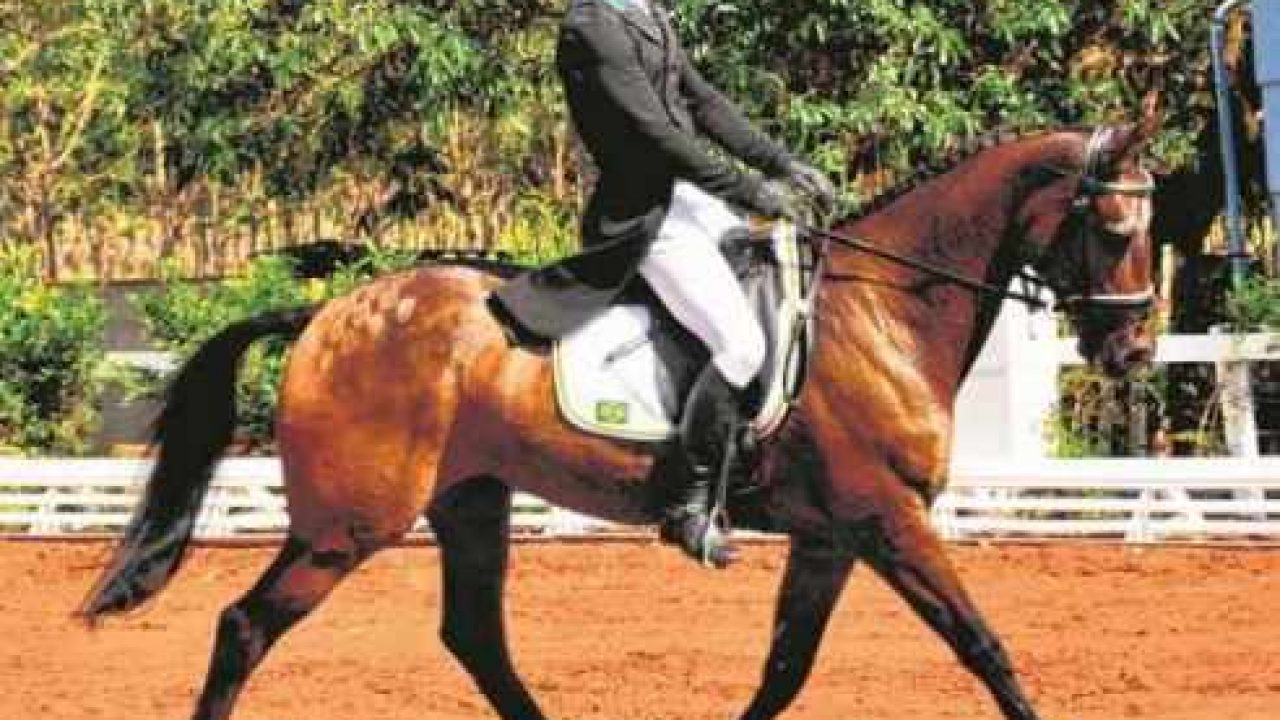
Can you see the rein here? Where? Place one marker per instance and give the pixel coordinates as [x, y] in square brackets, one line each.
[1089, 188]
[977, 286]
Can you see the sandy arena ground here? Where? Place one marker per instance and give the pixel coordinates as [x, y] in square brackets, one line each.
[627, 631]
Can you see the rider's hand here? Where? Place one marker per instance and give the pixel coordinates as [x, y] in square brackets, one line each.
[771, 200]
[814, 184]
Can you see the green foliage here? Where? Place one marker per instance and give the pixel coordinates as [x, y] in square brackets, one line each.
[1074, 428]
[1255, 305]
[1097, 416]
[879, 85]
[50, 346]
[148, 109]
[184, 314]
[543, 229]
[113, 111]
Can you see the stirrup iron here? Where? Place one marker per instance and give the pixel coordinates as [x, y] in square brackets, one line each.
[718, 522]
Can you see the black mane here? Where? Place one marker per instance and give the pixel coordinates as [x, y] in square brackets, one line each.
[493, 262]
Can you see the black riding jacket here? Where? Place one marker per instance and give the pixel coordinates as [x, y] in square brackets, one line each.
[641, 109]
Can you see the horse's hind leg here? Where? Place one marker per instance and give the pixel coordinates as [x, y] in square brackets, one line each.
[472, 525]
[905, 550]
[297, 581]
[814, 578]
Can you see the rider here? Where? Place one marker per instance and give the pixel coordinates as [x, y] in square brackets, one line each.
[660, 206]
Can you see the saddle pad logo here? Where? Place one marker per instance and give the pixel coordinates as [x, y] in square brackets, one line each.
[612, 412]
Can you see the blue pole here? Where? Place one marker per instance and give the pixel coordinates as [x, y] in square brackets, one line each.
[1266, 52]
[1236, 244]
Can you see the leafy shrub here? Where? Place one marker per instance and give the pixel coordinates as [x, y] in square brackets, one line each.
[1255, 304]
[50, 349]
[1098, 416]
[439, 119]
[184, 314]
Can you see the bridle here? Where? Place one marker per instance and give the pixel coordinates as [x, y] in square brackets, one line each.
[1089, 189]
[1077, 299]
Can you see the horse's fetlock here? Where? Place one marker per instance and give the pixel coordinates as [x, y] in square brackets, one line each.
[985, 653]
[235, 638]
[787, 674]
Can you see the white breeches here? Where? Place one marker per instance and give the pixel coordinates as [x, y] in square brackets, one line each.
[686, 271]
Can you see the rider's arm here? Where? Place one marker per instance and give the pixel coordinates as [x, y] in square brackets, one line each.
[723, 122]
[598, 45]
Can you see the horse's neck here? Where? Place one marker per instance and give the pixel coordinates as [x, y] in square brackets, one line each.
[958, 223]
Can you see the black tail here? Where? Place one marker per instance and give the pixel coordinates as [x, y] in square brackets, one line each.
[190, 435]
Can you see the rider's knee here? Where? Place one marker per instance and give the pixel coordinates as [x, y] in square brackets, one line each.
[744, 357]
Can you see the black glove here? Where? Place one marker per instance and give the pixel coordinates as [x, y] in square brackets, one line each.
[814, 184]
[770, 200]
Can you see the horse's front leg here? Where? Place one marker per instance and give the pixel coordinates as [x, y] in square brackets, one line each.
[898, 541]
[813, 581]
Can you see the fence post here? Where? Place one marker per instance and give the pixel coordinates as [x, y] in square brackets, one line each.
[47, 513]
[943, 515]
[1239, 421]
[1139, 530]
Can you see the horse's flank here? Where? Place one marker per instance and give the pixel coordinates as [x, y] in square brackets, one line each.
[450, 394]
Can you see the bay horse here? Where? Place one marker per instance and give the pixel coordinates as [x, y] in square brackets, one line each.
[405, 397]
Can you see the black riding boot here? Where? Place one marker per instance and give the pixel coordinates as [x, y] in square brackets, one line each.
[711, 424]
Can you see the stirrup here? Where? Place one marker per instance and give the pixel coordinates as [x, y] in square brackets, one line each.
[701, 537]
[709, 542]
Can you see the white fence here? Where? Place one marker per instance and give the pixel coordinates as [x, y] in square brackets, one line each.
[96, 496]
[1006, 484]
[1134, 500]
[1013, 387]
[1003, 485]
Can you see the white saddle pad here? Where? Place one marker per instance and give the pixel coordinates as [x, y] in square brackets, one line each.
[609, 377]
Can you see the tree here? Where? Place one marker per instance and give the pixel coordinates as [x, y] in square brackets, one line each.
[360, 115]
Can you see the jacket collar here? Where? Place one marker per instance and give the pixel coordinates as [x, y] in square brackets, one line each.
[639, 19]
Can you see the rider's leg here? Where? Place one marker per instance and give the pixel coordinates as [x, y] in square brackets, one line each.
[687, 272]
[713, 421]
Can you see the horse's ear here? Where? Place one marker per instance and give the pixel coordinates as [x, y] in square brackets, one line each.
[1134, 138]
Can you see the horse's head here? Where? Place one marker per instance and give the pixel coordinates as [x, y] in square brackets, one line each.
[1090, 230]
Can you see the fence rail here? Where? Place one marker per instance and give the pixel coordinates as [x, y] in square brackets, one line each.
[1130, 499]
[1134, 499]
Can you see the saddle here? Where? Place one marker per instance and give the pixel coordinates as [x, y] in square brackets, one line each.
[626, 373]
